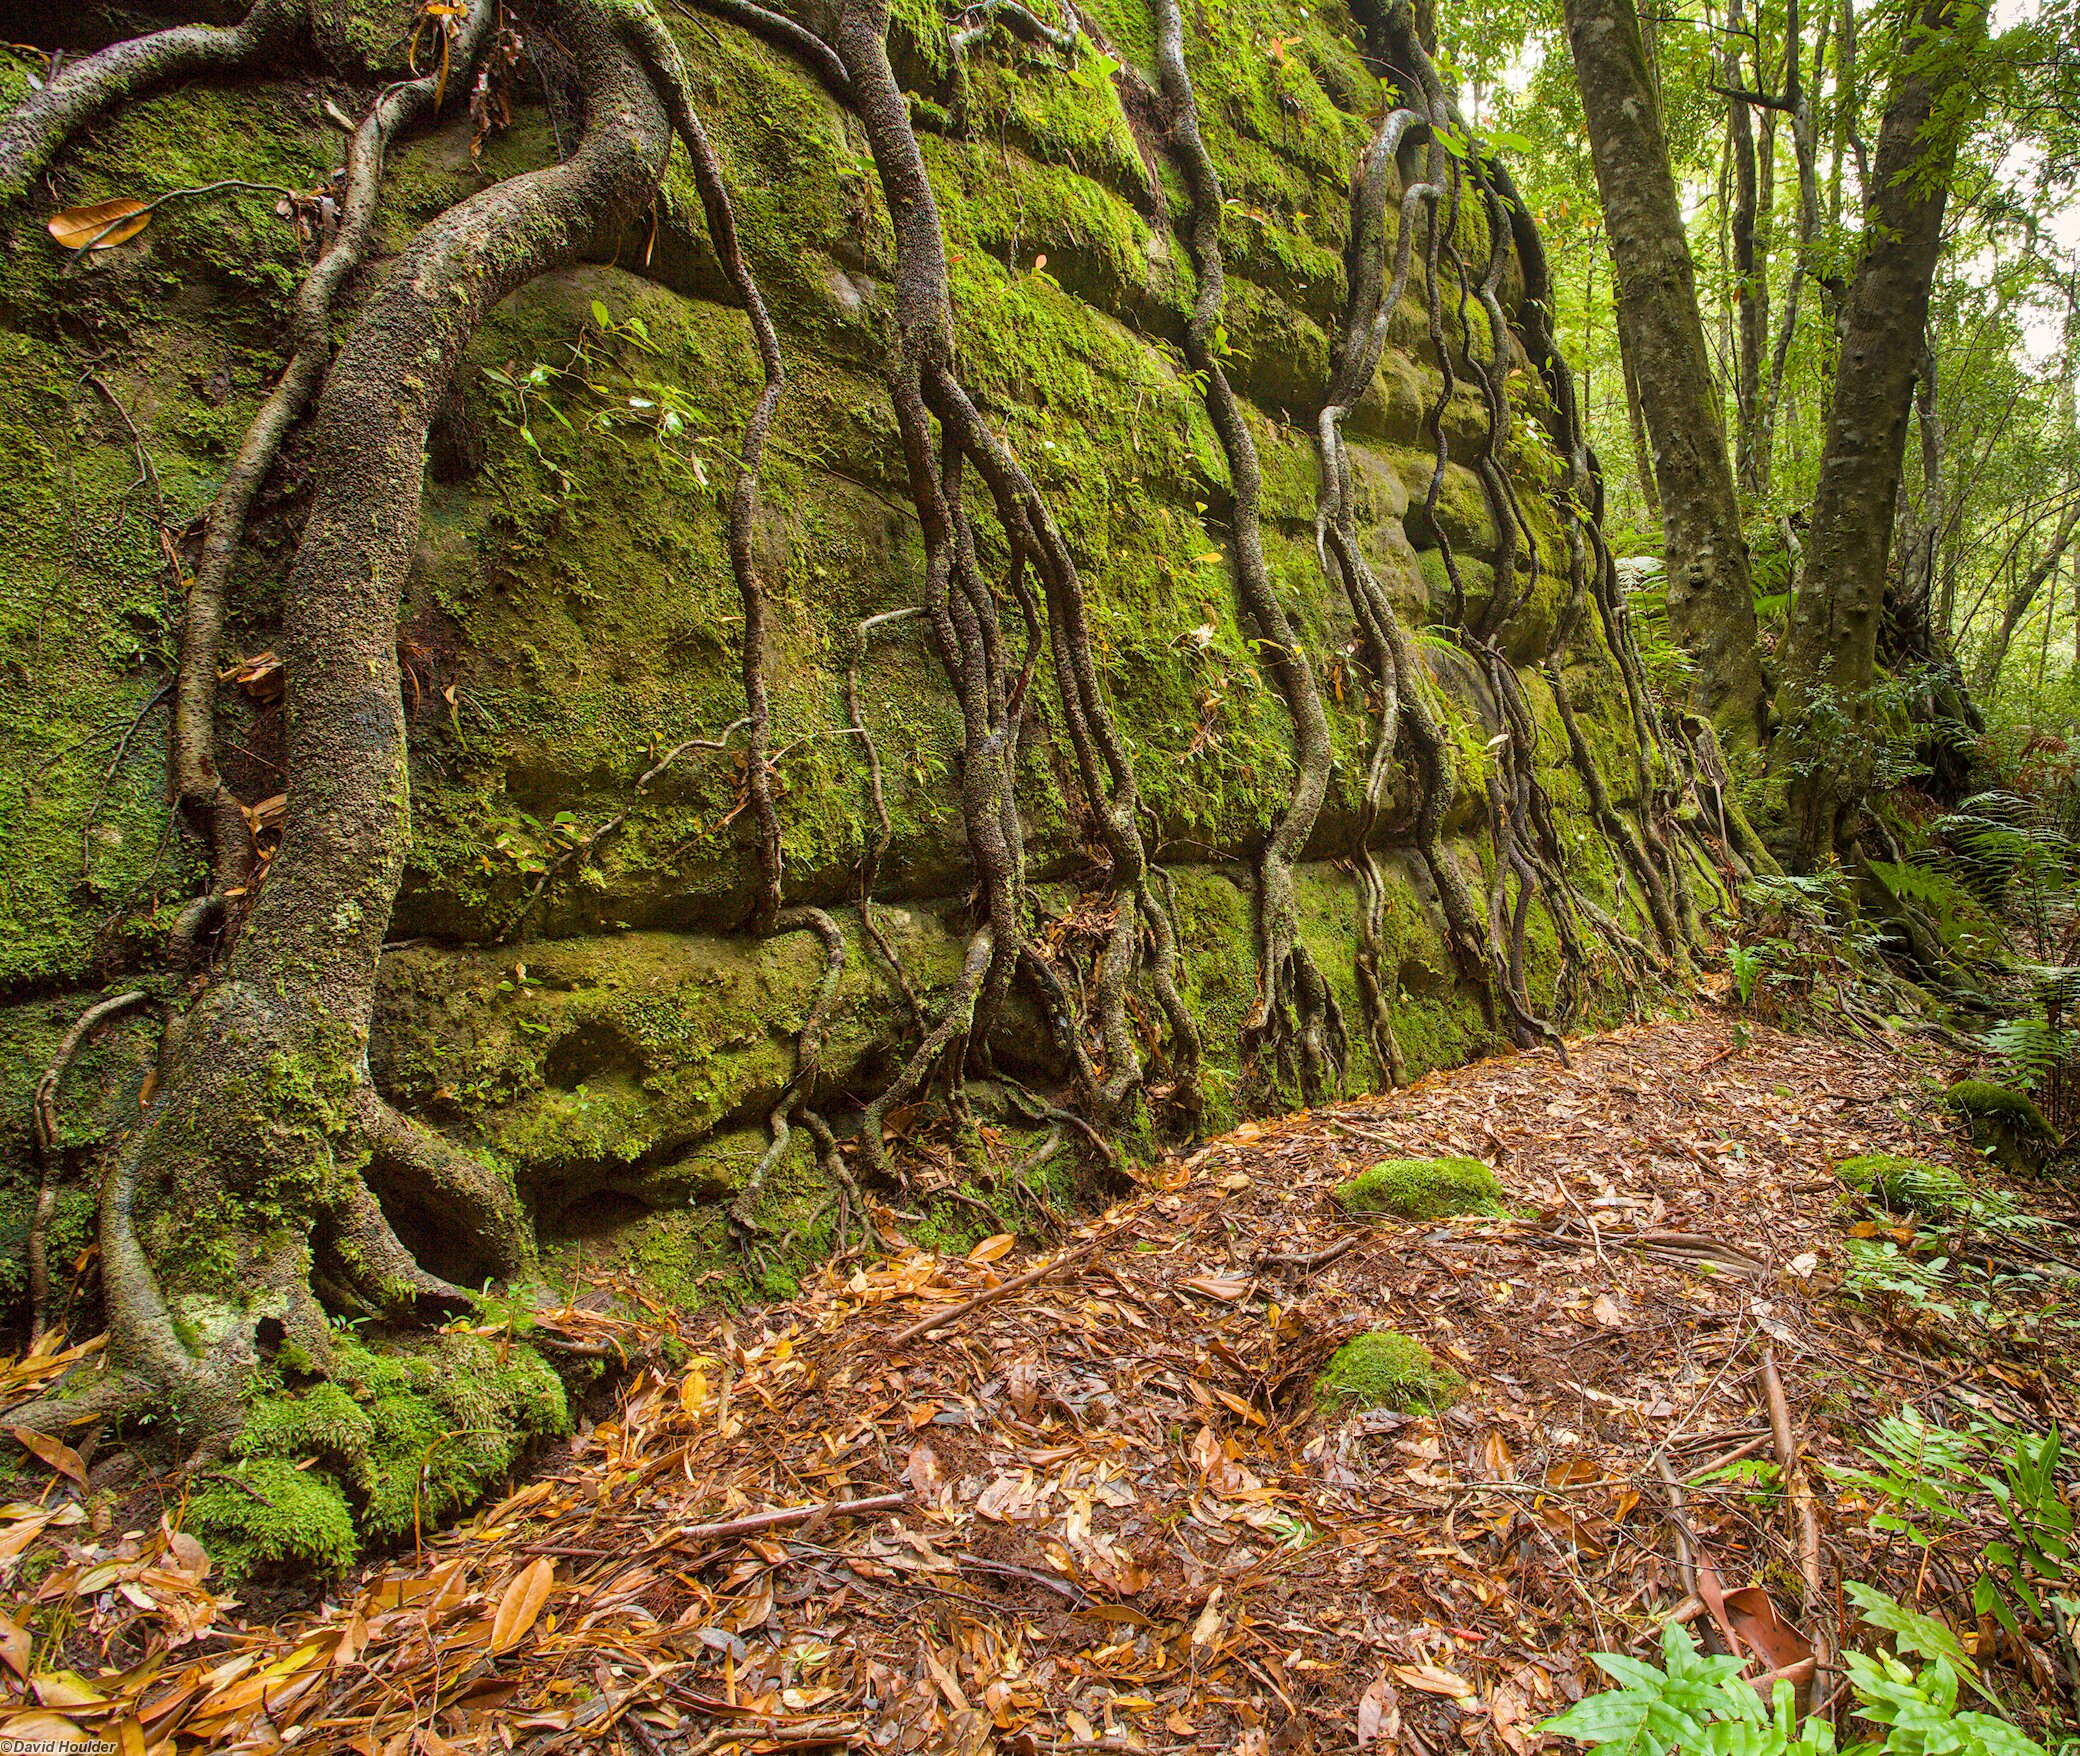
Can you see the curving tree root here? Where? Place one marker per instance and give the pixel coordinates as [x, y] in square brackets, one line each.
[44, 1146]
[214, 813]
[943, 434]
[265, 1112]
[1528, 849]
[37, 129]
[1295, 1016]
[808, 1064]
[884, 829]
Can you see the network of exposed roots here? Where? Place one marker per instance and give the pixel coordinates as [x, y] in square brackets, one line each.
[994, 625]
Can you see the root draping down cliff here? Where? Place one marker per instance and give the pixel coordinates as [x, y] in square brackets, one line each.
[751, 613]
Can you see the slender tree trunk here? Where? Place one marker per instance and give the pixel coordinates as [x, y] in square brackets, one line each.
[2023, 593]
[1642, 453]
[1830, 655]
[1751, 279]
[1711, 606]
[1922, 529]
[1849, 108]
[1804, 148]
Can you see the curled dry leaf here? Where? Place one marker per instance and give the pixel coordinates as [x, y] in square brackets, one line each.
[922, 1469]
[102, 226]
[1379, 1713]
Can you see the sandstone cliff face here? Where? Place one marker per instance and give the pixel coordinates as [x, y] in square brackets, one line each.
[589, 1011]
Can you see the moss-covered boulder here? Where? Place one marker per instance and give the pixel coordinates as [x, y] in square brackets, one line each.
[1422, 1188]
[1385, 1369]
[2006, 1124]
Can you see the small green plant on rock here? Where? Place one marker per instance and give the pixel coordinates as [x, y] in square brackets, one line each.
[1422, 1188]
[1384, 1369]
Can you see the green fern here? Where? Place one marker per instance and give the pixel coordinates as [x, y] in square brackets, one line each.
[1920, 1476]
[1960, 920]
[2028, 1048]
[1692, 1703]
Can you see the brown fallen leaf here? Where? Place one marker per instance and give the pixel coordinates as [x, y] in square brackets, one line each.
[41, 1730]
[1379, 1713]
[922, 1469]
[990, 1249]
[100, 227]
[14, 1645]
[1433, 1680]
[522, 1603]
[1228, 1288]
[55, 1452]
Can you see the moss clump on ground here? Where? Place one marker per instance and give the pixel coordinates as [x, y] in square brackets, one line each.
[1422, 1188]
[267, 1511]
[2005, 1123]
[393, 1442]
[1908, 1185]
[1384, 1369]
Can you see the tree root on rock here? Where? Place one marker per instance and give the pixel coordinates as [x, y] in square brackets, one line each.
[264, 1112]
[212, 811]
[1294, 1016]
[45, 1147]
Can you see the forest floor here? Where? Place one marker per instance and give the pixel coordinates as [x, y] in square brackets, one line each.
[1108, 1509]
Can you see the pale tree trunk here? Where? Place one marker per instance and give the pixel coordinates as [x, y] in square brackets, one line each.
[1711, 607]
[1803, 145]
[1921, 525]
[1751, 278]
[1830, 655]
[2024, 592]
[1642, 452]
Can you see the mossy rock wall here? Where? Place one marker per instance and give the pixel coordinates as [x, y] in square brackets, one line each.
[572, 612]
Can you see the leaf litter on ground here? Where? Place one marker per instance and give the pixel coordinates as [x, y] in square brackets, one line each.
[1086, 1498]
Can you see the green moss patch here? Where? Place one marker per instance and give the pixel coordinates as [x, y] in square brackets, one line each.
[1422, 1188]
[2006, 1124]
[1385, 1369]
[1981, 1099]
[1908, 1185]
[267, 1511]
[395, 1440]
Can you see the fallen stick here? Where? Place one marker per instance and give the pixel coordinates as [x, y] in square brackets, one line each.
[1679, 1524]
[940, 1319]
[1698, 1441]
[1053, 1582]
[1688, 1610]
[1748, 1450]
[1801, 1497]
[752, 1523]
[837, 1731]
[1313, 1258]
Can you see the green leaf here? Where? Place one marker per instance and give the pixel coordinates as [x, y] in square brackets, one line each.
[1911, 1631]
